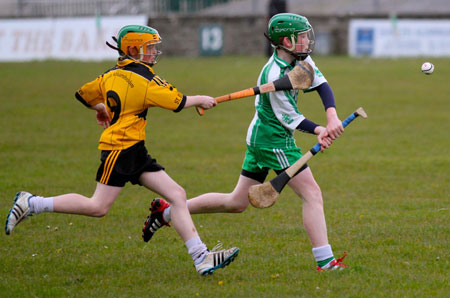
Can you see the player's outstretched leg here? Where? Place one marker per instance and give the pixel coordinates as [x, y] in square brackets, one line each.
[155, 220]
[215, 259]
[19, 211]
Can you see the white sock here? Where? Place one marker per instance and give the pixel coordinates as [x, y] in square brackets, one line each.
[196, 249]
[41, 204]
[166, 214]
[322, 253]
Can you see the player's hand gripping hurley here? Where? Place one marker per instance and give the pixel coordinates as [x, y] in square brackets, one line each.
[299, 78]
[265, 195]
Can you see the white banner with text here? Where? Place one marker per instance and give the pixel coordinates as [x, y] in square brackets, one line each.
[62, 38]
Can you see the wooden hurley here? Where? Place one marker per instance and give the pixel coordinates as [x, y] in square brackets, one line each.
[266, 194]
[299, 78]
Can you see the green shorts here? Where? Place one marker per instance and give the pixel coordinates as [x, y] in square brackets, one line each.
[258, 161]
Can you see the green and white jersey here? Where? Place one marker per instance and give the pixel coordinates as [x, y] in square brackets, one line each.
[277, 115]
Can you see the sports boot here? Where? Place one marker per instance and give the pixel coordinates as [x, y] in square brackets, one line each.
[19, 211]
[334, 265]
[155, 220]
[215, 259]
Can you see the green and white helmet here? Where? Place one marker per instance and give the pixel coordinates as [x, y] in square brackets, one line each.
[290, 25]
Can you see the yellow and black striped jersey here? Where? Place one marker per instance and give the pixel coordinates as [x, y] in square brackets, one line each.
[128, 90]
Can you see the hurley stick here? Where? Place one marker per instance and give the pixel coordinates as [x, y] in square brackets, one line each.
[299, 78]
[265, 195]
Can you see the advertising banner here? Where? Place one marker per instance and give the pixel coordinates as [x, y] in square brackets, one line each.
[399, 38]
[61, 38]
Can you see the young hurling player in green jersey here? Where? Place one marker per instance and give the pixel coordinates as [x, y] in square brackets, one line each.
[121, 97]
[270, 141]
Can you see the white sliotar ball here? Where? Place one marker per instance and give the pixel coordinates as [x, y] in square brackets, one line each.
[427, 68]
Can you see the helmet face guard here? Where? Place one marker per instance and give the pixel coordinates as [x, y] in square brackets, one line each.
[295, 27]
[149, 51]
[303, 40]
[145, 39]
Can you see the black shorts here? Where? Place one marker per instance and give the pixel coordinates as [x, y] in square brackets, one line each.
[120, 166]
[261, 177]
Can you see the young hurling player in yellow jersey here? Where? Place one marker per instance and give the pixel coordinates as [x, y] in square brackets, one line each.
[270, 140]
[121, 97]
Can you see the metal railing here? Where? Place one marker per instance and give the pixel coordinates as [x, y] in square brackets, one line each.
[67, 8]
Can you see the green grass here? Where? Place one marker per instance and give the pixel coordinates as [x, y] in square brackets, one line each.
[385, 185]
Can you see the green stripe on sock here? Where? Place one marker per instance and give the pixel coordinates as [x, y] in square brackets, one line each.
[324, 262]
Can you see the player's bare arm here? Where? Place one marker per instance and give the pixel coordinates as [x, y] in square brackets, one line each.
[103, 118]
[204, 101]
[334, 126]
[323, 138]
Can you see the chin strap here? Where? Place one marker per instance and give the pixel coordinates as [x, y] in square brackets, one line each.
[115, 48]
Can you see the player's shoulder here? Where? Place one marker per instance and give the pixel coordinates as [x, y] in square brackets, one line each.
[136, 67]
[272, 70]
[109, 70]
[310, 60]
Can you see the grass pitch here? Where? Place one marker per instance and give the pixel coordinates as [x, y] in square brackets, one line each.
[385, 184]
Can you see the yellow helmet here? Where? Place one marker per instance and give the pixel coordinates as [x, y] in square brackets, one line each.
[144, 38]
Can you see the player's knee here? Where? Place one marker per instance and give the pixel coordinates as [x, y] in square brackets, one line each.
[239, 208]
[99, 210]
[237, 205]
[314, 195]
[177, 196]
[316, 198]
